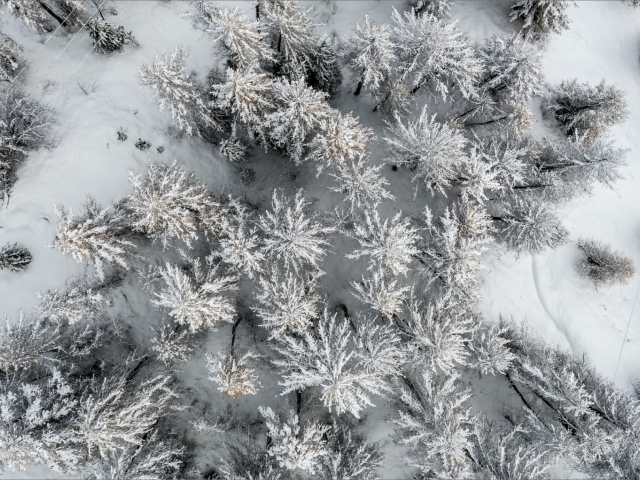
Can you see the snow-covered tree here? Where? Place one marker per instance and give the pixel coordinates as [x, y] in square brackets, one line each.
[115, 411]
[389, 244]
[292, 31]
[31, 12]
[385, 296]
[295, 446]
[95, 236]
[584, 110]
[434, 424]
[108, 37]
[323, 70]
[478, 175]
[10, 58]
[379, 347]
[603, 265]
[166, 202]
[34, 423]
[349, 456]
[241, 248]
[232, 374]
[234, 148]
[490, 347]
[540, 18]
[25, 127]
[361, 183]
[510, 159]
[172, 346]
[160, 457]
[341, 139]
[434, 150]
[530, 226]
[14, 258]
[435, 335]
[504, 453]
[436, 54]
[287, 302]
[198, 296]
[81, 301]
[572, 166]
[247, 92]
[175, 90]
[299, 111]
[370, 55]
[244, 40]
[292, 234]
[455, 243]
[512, 68]
[324, 358]
[437, 8]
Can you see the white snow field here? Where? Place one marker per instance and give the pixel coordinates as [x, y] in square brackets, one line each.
[545, 290]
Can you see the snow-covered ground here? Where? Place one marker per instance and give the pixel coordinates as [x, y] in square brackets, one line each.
[544, 290]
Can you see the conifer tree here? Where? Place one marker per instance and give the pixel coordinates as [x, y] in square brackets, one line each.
[108, 37]
[14, 258]
[10, 58]
[540, 18]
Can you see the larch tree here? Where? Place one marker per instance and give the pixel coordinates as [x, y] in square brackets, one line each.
[361, 182]
[390, 244]
[175, 90]
[540, 18]
[95, 236]
[370, 55]
[382, 295]
[603, 265]
[434, 150]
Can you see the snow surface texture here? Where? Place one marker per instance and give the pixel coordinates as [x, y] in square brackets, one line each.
[545, 290]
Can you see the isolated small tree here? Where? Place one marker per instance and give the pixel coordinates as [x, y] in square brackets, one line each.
[435, 335]
[166, 202]
[370, 55]
[232, 374]
[108, 37]
[178, 92]
[603, 265]
[248, 93]
[10, 58]
[14, 258]
[198, 297]
[299, 111]
[287, 302]
[434, 150]
[584, 110]
[434, 425]
[242, 39]
[292, 234]
[435, 53]
[540, 18]
[341, 139]
[349, 456]
[390, 245]
[25, 127]
[385, 297]
[362, 183]
[81, 301]
[95, 236]
[325, 358]
[530, 226]
[512, 68]
[295, 446]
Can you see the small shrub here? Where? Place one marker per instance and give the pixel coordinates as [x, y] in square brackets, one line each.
[122, 136]
[142, 144]
[14, 258]
[603, 265]
[160, 149]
